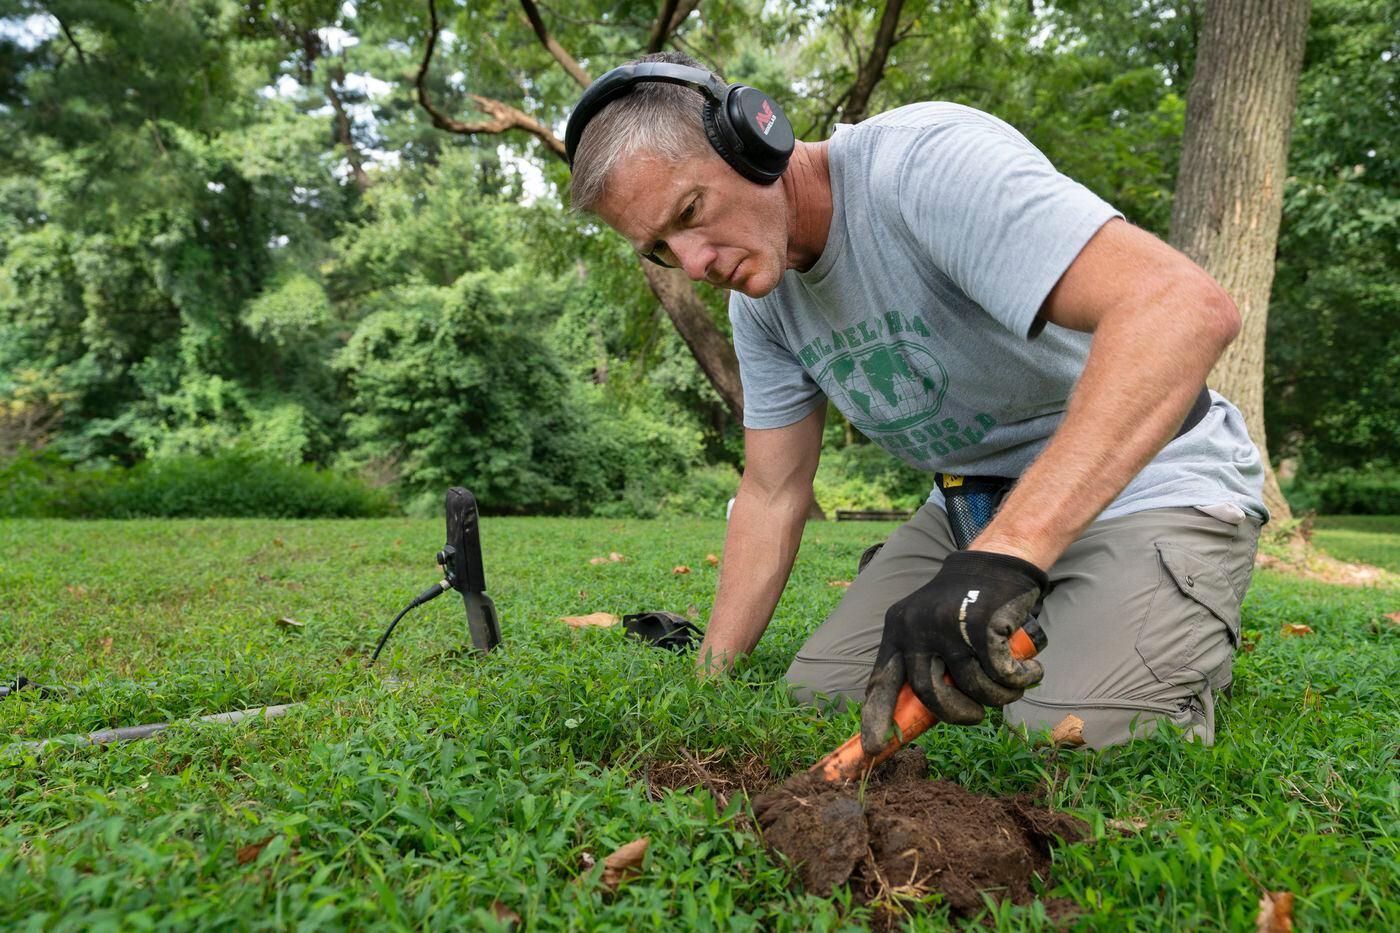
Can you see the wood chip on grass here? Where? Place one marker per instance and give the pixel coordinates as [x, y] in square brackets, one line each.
[593, 619]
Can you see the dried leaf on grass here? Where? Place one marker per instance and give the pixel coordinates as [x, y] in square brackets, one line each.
[251, 851]
[841, 583]
[289, 622]
[712, 559]
[612, 558]
[625, 863]
[615, 557]
[1292, 629]
[1068, 731]
[601, 619]
[595, 561]
[106, 644]
[1275, 912]
[504, 913]
[1394, 617]
[680, 568]
[1127, 827]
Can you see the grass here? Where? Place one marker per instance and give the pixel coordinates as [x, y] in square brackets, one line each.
[481, 781]
[1365, 539]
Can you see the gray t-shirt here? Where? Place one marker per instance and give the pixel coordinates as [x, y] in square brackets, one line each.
[919, 321]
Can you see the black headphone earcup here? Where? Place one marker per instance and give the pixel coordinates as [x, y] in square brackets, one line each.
[711, 117]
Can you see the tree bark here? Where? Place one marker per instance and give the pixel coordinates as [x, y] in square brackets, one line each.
[1229, 190]
[711, 349]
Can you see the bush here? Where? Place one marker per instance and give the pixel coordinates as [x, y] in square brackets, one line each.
[41, 485]
[239, 484]
[1371, 491]
[703, 492]
[447, 391]
[866, 476]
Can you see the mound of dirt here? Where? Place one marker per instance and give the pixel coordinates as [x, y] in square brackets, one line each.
[910, 837]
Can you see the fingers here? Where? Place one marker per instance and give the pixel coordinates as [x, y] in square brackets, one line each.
[996, 653]
[944, 700]
[973, 681]
[881, 692]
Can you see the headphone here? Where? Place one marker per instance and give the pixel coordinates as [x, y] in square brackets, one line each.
[744, 125]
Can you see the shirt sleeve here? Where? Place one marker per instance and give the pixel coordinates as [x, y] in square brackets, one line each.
[777, 389]
[995, 216]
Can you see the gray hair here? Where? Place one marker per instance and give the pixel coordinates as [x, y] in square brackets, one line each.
[664, 119]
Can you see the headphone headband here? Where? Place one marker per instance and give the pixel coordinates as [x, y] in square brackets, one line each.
[744, 126]
[623, 79]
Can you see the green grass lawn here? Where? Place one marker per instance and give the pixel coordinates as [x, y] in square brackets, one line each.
[1365, 539]
[475, 781]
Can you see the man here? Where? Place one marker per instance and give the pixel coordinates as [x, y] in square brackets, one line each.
[984, 318]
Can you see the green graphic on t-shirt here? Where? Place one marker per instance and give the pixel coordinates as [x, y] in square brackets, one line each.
[894, 386]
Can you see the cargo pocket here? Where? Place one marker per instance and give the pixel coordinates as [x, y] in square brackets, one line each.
[1194, 619]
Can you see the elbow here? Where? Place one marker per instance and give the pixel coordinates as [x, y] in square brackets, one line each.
[1222, 319]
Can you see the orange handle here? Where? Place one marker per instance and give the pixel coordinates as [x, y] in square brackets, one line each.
[911, 719]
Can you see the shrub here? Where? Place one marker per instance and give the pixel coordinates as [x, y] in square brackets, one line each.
[40, 485]
[449, 392]
[703, 492]
[1374, 490]
[865, 476]
[238, 484]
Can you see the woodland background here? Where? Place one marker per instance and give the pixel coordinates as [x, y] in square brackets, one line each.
[243, 241]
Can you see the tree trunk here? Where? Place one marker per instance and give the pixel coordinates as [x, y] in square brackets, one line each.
[1229, 188]
[711, 349]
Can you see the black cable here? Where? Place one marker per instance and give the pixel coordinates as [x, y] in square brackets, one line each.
[434, 591]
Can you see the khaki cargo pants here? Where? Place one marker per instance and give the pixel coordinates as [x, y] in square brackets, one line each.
[1142, 617]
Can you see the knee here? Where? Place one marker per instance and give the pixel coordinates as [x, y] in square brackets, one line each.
[827, 681]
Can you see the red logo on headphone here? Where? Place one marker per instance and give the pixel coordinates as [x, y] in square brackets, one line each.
[764, 118]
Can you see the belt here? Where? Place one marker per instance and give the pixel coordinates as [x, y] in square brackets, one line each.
[972, 501]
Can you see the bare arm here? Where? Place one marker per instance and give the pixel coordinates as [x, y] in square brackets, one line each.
[765, 530]
[1159, 324]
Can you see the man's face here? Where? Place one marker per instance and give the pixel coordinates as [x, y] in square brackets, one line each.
[702, 216]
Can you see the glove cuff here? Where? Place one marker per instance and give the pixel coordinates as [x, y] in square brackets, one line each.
[994, 564]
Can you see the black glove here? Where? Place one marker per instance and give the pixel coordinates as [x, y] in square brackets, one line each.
[959, 623]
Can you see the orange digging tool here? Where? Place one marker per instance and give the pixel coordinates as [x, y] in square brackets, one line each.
[912, 718]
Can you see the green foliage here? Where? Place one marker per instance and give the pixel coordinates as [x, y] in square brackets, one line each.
[43, 485]
[703, 492]
[479, 780]
[236, 484]
[1333, 366]
[187, 256]
[1374, 491]
[864, 476]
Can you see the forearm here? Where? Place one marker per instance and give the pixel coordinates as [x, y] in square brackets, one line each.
[759, 549]
[1144, 370]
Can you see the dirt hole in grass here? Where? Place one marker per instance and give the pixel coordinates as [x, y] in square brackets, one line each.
[901, 838]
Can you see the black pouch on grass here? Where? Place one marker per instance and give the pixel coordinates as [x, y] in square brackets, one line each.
[663, 629]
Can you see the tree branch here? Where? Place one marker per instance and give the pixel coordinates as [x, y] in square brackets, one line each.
[661, 29]
[343, 129]
[683, 11]
[82, 59]
[503, 116]
[571, 65]
[873, 68]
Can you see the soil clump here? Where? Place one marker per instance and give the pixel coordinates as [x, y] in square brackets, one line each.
[905, 836]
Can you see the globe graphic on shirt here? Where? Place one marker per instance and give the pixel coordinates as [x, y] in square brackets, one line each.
[886, 388]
